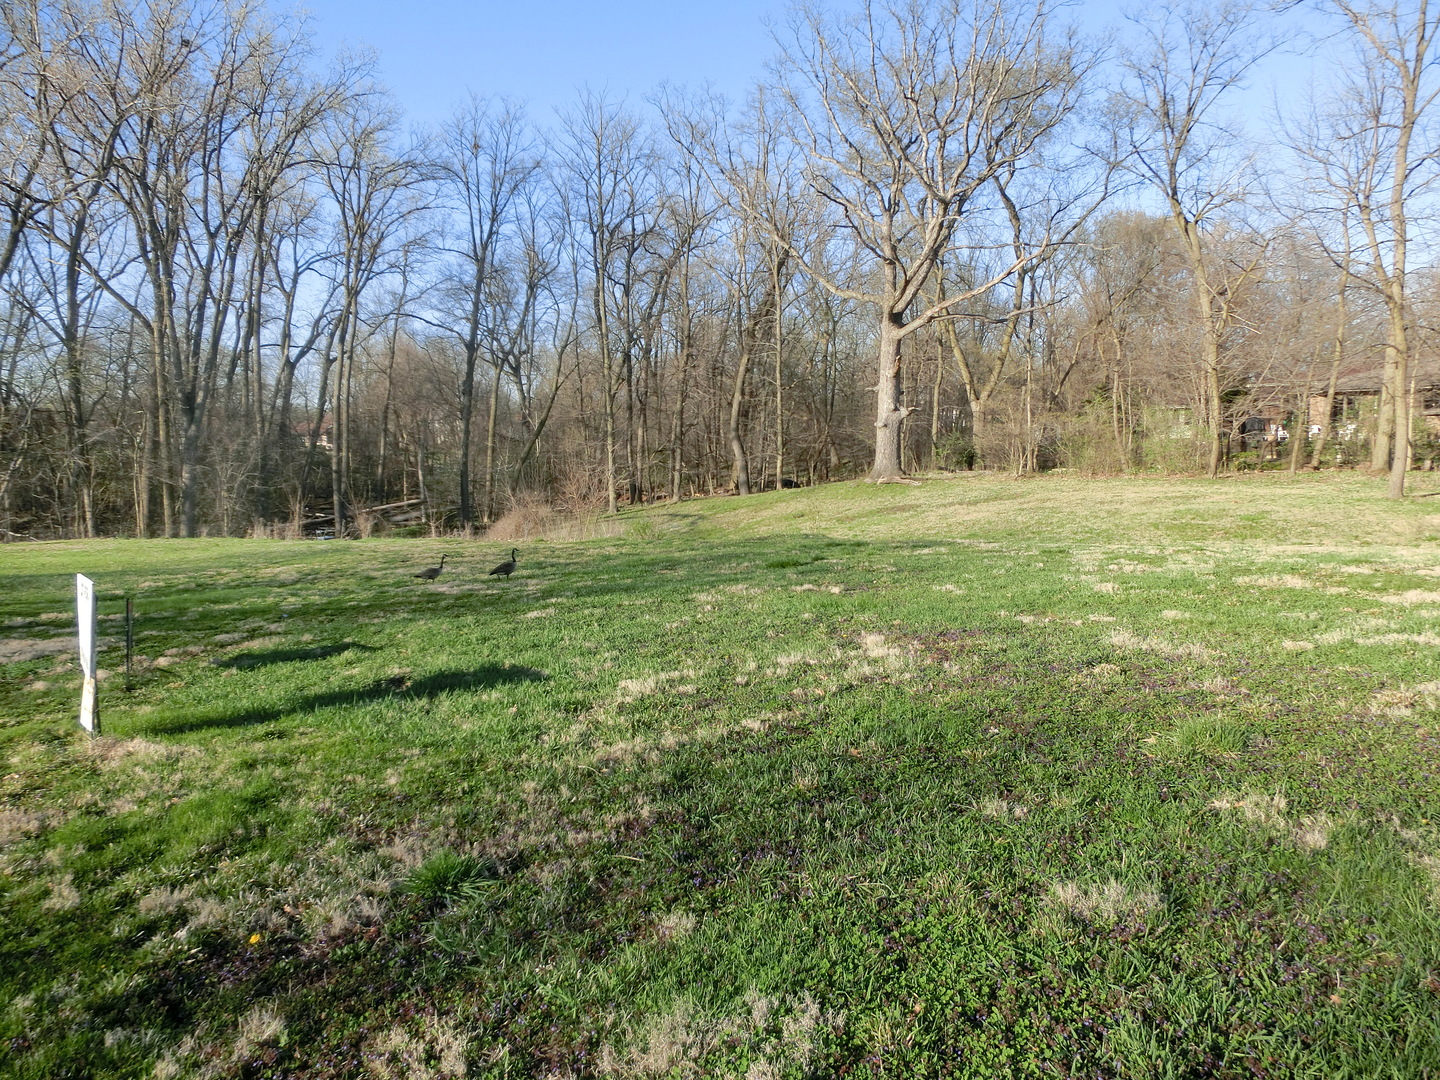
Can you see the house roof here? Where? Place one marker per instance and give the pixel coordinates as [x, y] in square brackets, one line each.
[1366, 378]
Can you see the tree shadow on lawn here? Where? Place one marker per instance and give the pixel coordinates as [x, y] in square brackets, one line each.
[243, 661]
[397, 688]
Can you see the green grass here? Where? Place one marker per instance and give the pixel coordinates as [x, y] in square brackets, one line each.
[982, 778]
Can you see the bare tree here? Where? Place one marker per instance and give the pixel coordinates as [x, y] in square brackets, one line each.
[907, 112]
[1196, 55]
[1374, 147]
[370, 184]
[487, 165]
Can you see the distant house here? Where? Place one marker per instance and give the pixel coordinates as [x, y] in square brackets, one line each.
[1357, 392]
[326, 439]
[1267, 422]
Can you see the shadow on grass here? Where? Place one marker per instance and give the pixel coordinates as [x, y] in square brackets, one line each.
[286, 656]
[398, 689]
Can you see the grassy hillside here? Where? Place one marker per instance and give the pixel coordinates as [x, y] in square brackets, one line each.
[980, 778]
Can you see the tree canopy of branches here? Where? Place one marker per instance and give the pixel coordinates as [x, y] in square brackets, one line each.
[239, 294]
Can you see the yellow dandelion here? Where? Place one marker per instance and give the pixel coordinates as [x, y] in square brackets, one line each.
[254, 938]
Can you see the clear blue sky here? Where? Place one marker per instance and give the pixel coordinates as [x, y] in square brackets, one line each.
[433, 53]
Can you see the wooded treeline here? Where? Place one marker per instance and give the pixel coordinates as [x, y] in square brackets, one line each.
[239, 294]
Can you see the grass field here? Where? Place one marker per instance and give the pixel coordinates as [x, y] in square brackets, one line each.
[983, 778]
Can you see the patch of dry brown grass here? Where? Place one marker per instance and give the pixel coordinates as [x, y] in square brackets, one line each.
[1128, 641]
[436, 1048]
[1108, 901]
[781, 1035]
[1309, 833]
[108, 750]
[20, 825]
[19, 650]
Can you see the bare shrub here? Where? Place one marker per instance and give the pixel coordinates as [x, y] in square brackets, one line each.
[364, 522]
[527, 519]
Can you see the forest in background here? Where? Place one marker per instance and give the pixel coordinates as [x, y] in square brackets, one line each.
[239, 295]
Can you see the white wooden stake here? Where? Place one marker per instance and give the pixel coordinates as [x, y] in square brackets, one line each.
[85, 620]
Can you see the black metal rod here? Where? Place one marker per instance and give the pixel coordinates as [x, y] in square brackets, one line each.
[129, 639]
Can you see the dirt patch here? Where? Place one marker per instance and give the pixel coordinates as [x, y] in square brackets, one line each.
[19, 650]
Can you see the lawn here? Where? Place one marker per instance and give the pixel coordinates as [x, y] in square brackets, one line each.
[983, 778]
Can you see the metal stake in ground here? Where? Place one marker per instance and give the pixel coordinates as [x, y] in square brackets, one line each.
[129, 639]
[85, 620]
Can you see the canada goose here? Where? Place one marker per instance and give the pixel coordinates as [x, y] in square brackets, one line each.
[508, 567]
[430, 573]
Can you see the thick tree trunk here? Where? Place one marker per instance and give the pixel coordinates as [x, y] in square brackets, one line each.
[1384, 422]
[190, 479]
[1217, 409]
[1399, 398]
[890, 414]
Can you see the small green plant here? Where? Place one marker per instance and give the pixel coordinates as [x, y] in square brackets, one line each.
[1209, 736]
[450, 877]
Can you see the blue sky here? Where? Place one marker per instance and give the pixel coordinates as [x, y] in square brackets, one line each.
[433, 53]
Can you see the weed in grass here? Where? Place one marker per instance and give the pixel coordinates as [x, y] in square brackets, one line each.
[1209, 736]
[448, 877]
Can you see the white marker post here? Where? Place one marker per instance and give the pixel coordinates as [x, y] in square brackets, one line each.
[85, 620]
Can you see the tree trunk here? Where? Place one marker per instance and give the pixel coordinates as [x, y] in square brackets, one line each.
[1339, 350]
[487, 507]
[1297, 434]
[740, 464]
[1217, 409]
[890, 414]
[935, 405]
[1400, 401]
[467, 418]
[776, 287]
[1384, 422]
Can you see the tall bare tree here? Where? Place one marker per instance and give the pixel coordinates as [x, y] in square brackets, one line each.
[1375, 148]
[372, 185]
[1193, 59]
[907, 112]
[488, 163]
